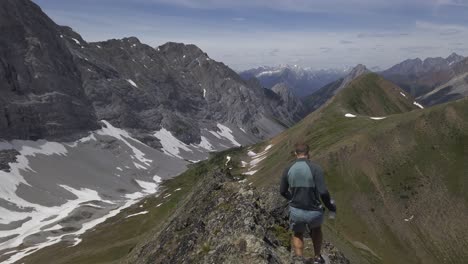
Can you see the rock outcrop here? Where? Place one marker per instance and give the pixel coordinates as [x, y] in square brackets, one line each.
[224, 221]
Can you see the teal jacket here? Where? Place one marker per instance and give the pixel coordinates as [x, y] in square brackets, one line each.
[303, 184]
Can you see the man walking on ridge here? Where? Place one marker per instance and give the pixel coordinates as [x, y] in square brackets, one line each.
[304, 186]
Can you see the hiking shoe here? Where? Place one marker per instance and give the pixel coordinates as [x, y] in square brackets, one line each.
[319, 260]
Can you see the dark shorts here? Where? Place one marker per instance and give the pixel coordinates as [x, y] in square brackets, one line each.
[301, 221]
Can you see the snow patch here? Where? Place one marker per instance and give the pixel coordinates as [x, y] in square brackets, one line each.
[76, 41]
[148, 187]
[268, 73]
[418, 105]
[125, 137]
[404, 95]
[350, 115]
[204, 93]
[205, 144]
[132, 83]
[171, 145]
[140, 213]
[256, 159]
[377, 118]
[226, 133]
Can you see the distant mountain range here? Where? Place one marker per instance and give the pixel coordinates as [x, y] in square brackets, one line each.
[432, 80]
[303, 81]
[421, 77]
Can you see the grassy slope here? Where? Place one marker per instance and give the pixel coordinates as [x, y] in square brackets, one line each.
[381, 172]
[112, 241]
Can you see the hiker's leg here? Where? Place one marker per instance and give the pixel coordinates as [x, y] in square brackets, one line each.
[298, 243]
[316, 235]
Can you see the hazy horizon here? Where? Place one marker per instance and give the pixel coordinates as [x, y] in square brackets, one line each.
[247, 34]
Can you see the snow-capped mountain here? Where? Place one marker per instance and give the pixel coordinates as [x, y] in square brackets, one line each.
[303, 81]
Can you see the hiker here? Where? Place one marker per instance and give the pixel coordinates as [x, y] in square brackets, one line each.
[303, 184]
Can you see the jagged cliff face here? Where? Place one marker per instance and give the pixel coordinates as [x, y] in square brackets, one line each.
[41, 93]
[175, 86]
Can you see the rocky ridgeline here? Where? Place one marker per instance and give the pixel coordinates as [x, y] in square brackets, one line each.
[224, 221]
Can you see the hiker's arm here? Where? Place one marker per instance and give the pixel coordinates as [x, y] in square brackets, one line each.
[322, 189]
[284, 186]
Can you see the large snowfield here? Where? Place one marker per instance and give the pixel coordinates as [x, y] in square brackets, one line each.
[101, 174]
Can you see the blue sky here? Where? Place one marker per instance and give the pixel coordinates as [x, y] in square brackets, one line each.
[250, 33]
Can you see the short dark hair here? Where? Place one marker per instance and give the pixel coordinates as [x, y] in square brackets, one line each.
[301, 148]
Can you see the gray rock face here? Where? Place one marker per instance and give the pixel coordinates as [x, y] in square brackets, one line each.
[303, 81]
[176, 87]
[293, 104]
[41, 95]
[226, 221]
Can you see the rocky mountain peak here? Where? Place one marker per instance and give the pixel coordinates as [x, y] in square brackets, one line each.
[454, 58]
[357, 71]
[172, 48]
